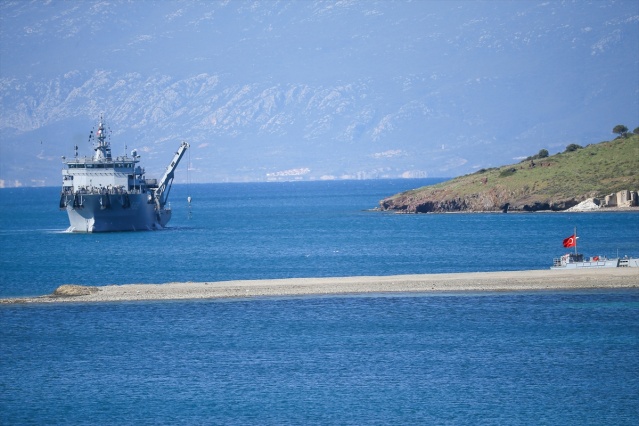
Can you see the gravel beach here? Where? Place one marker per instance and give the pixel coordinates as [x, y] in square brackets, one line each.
[458, 282]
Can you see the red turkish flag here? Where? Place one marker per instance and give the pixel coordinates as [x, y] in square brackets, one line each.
[570, 241]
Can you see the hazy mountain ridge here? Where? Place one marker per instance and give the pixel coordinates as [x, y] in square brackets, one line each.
[345, 89]
[200, 110]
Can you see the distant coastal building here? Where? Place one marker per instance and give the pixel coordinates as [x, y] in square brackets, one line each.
[288, 175]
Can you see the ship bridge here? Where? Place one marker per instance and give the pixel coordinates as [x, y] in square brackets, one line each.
[101, 173]
[90, 175]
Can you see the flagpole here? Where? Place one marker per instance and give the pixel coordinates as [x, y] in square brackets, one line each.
[575, 240]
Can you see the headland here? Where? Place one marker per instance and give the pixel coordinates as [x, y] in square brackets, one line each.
[600, 176]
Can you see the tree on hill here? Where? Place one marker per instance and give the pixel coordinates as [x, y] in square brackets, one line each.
[620, 129]
[636, 131]
[543, 153]
[573, 147]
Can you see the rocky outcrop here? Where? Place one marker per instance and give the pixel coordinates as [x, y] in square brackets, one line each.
[68, 290]
[487, 202]
[481, 202]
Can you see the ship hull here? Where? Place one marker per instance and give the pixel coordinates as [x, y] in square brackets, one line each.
[625, 262]
[609, 263]
[113, 212]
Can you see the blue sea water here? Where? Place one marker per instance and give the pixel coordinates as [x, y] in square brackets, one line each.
[493, 358]
[284, 230]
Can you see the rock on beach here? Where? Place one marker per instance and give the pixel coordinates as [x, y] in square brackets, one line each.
[69, 290]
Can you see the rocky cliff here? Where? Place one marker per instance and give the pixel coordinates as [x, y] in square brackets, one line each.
[495, 199]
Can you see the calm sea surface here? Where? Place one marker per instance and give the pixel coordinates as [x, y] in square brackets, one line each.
[507, 358]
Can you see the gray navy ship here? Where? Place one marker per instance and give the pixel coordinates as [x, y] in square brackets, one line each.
[106, 194]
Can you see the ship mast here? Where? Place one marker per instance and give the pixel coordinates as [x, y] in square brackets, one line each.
[102, 146]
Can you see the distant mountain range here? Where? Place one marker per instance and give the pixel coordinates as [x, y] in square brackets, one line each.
[312, 90]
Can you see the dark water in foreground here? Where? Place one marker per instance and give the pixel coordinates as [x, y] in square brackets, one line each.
[543, 358]
[494, 358]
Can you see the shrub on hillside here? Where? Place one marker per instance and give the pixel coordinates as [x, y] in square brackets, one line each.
[507, 172]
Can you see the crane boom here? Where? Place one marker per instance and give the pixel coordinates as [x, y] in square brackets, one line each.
[164, 187]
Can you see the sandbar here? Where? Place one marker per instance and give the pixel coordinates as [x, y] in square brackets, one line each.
[504, 281]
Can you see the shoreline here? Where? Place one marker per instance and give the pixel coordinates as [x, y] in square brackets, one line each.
[599, 210]
[504, 281]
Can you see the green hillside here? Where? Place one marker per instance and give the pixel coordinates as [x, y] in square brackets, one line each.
[556, 182]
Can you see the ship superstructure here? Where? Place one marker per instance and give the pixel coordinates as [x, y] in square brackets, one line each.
[103, 194]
